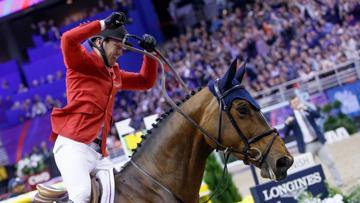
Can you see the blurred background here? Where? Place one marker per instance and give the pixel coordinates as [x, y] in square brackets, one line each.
[302, 47]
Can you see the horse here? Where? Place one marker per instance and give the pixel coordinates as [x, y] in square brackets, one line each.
[169, 163]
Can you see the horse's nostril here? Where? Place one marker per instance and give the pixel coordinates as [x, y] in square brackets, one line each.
[284, 162]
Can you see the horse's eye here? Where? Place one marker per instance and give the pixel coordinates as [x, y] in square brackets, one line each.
[243, 110]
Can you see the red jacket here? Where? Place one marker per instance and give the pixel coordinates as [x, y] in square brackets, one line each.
[91, 88]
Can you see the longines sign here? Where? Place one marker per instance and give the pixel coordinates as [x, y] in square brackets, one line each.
[285, 191]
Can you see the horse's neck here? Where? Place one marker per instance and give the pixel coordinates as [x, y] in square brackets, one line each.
[176, 152]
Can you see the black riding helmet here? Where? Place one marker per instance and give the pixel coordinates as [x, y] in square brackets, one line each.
[116, 34]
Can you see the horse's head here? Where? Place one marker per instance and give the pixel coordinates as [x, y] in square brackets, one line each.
[241, 127]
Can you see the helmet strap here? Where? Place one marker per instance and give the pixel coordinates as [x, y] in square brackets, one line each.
[101, 50]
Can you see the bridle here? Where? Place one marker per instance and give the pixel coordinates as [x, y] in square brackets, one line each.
[220, 96]
[261, 156]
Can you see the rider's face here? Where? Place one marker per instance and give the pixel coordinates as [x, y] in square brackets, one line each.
[112, 48]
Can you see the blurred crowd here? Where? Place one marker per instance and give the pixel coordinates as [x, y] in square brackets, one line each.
[283, 40]
[49, 29]
[36, 106]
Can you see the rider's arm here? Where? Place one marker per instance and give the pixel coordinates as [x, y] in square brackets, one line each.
[75, 55]
[143, 80]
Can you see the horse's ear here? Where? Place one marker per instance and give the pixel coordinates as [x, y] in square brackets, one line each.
[226, 80]
[241, 72]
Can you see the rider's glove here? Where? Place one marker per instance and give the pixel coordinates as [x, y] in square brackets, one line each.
[148, 43]
[115, 20]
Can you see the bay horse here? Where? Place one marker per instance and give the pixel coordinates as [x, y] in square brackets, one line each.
[168, 165]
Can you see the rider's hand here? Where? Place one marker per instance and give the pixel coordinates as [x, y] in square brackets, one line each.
[115, 20]
[148, 43]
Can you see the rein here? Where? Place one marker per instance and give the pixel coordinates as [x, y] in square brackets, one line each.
[155, 181]
[261, 156]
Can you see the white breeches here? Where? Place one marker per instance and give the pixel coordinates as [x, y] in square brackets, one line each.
[75, 161]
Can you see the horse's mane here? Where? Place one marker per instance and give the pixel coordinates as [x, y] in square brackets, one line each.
[163, 117]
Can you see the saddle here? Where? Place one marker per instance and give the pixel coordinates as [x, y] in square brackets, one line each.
[50, 194]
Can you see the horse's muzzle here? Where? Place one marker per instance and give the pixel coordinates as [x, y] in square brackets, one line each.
[276, 169]
[282, 165]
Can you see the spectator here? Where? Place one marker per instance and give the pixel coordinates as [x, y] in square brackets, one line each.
[26, 108]
[22, 88]
[50, 78]
[35, 83]
[59, 75]
[16, 105]
[309, 136]
[34, 29]
[38, 107]
[44, 150]
[49, 102]
[54, 32]
[42, 26]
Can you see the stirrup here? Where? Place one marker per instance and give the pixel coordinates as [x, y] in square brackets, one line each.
[50, 191]
[49, 194]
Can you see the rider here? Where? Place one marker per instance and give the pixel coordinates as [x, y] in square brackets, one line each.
[92, 81]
